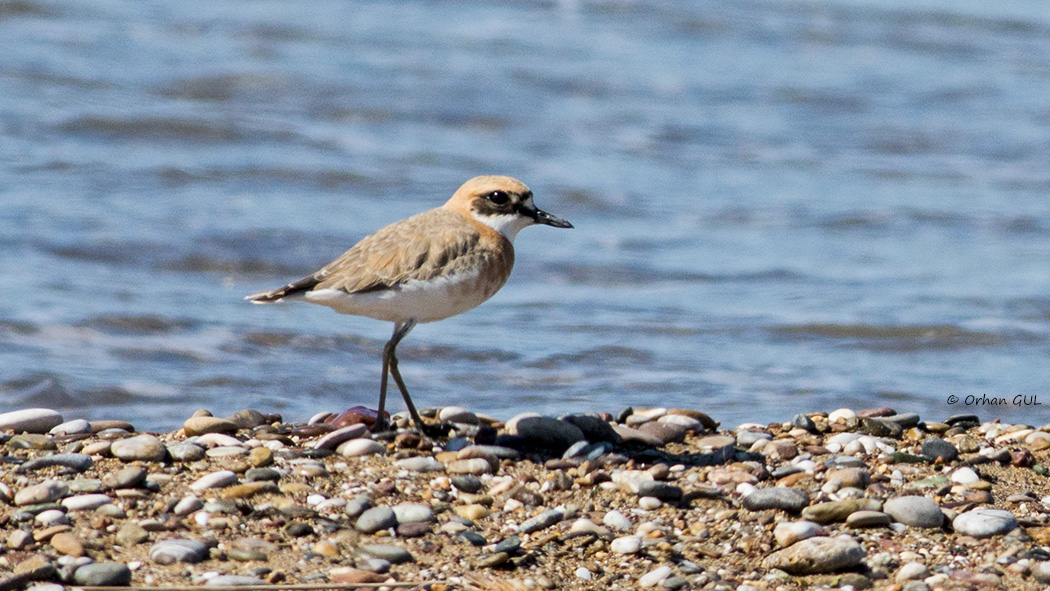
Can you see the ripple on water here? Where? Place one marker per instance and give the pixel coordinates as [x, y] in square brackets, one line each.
[900, 338]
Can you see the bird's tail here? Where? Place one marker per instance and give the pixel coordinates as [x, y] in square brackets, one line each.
[292, 289]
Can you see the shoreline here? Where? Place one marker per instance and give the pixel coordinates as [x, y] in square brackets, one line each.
[649, 498]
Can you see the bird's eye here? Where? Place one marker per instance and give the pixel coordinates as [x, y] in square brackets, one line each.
[498, 197]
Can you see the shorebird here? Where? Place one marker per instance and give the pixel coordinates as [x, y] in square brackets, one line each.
[427, 267]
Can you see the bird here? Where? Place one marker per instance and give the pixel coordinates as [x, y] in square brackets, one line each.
[424, 268]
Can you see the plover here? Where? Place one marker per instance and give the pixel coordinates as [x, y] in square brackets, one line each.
[428, 267]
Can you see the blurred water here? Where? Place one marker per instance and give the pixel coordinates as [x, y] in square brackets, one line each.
[779, 207]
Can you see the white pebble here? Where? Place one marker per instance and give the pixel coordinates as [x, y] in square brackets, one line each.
[654, 576]
[626, 545]
[965, 476]
[583, 573]
[649, 503]
[616, 520]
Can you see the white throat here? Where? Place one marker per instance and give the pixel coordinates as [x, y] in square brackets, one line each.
[507, 224]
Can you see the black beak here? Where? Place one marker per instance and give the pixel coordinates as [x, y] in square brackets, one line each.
[545, 218]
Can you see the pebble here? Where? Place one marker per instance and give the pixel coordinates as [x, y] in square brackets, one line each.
[36, 568]
[413, 512]
[187, 504]
[915, 511]
[74, 427]
[510, 545]
[1041, 572]
[77, 462]
[985, 523]
[541, 521]
[911, 571]
[235, 581]
[653, 577]
[861, 519]
[335, 438]
[626, 545]
[472, 538]
[186, 452]
[103, 574]
[30, 420]
[474, 466]
[548, 433]
[835, 511]
[595, 429]
[360, 447]
[791, 500]
[631, 436]
[817, 556]
[649, 503]
[467, 483]
[203, 425]
[220, 479]
[85, 502]
[420, 464]
[51, 517]
[390, 553]
[45, 492]
[616, 520]
[145, 448]
[664, 491]
[458, 414]
[934, 448]
[375, 519]
[129, 477]
[178, 550]
[789, 532]
[494, 560]
[965, 476]
[131, 534]
[67, 543]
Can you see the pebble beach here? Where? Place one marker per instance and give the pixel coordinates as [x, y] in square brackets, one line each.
[650, 498]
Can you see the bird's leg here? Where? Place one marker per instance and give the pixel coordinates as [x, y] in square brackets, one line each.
[390, 367]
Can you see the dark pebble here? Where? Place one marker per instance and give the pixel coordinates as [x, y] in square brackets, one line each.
[934, 448]
[594, 428]
[792, 500]
[472, 538]
[801, 421]
[510, 545]
[964, 421]
[662, 490]
[75, 462]
[299, 529]
[468, 483]
[881, 428]
[905, 420]
[548, 433]
[262, 474]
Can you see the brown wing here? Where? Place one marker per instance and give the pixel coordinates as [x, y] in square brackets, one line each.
[418, 248]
